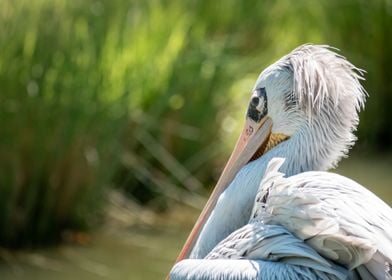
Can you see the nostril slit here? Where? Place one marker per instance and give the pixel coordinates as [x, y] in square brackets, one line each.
[255, 101]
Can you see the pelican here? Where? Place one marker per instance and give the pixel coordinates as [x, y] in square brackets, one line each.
[275, 212]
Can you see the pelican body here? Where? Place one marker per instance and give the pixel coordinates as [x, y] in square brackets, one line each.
[275, 212]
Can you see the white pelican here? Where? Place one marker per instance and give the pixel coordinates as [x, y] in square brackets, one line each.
[297, 221]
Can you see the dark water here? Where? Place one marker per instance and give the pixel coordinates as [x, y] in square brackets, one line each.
[148, 253]
[134, 254]
[375, 173]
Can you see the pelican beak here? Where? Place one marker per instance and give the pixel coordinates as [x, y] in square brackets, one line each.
[252, 138]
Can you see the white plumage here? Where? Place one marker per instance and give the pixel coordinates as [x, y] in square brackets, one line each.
[339, 218]
[313, 225]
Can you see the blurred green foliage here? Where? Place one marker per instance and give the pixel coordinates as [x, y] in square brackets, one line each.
[142, 94]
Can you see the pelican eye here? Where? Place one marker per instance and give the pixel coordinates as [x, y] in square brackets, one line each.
[257, 108]
[255, 101]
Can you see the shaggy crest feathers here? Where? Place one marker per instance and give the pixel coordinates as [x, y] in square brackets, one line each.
[321, 75]
[328, 91]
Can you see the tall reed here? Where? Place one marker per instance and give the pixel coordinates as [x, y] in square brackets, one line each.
[140, 95]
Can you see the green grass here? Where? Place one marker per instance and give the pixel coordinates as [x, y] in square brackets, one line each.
[140, 95]
[62, 116]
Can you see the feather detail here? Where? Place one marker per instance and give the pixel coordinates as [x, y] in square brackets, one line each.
[201, 269]
[257, 241]
[327, 212]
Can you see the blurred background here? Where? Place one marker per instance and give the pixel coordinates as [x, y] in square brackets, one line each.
[116, 118]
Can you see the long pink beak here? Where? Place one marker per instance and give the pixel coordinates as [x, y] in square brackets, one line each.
[252, 137]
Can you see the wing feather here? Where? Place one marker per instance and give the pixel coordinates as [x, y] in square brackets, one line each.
[340, 219]
[258, 241]
[202, 269]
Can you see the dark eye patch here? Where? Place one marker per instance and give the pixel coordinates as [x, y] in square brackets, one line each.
[253, 113]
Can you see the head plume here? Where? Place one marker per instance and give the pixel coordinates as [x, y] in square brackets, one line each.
[326, 88]
[322, 76]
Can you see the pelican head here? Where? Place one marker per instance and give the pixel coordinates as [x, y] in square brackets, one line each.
[309, 98]
[311, 89]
